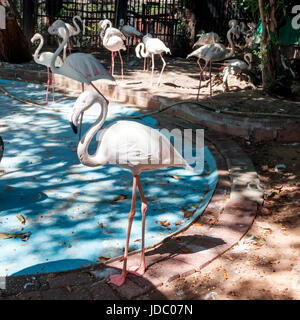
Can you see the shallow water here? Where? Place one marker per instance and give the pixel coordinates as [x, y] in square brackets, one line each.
[70, 211]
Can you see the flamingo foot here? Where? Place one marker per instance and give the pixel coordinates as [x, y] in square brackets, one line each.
[45, 102]
[118, 279]
[52, 102]
[138, 271]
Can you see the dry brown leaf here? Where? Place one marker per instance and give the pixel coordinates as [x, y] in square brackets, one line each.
[119, 197]
[100, 259]
[225, 275]
[21, 218]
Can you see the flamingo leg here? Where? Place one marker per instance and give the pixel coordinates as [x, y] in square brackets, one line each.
[99, 92]
[162, 69]
[119, 279]
[112, 67]
[121, 64]
[48, 84]
[69, 47]
[53, 82]
[152, 69]
[199, 64]
[201, 78]
[127, 42]
[210, 90]
[142, 268]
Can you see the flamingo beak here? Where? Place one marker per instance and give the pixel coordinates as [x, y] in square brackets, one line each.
[73, 127]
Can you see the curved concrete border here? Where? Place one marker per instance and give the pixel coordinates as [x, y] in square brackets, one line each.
[225, 221]
[278, 128]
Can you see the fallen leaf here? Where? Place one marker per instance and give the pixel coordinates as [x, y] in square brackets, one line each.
[186, 250]
[119, 197]
[225, 275]
[21, 218]
[187, 213]
[100, 225]
[22, 236]
[103, 259]
[198, 224]
[175, 177]
[69, 288]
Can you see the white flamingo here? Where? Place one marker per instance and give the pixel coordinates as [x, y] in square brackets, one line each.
[138, 48]
[129, 32]
[44, 59]
[81, 67]
[72, 32]
[236, 66]
[130, 145]
[152, 46]
[113, 40]
[211, 53]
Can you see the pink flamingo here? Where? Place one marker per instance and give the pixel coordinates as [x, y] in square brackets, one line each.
[113, 40]
[72, 32]
[211, 53]
[81, 67]
[130, 145]
[151, 46]
[44, 59]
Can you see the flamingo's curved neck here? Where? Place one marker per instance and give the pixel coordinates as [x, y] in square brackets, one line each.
[38, 49]
[76, 32]
[143, 51]
[58, 51]
[232, 48]
[248, 60]
[83, 145]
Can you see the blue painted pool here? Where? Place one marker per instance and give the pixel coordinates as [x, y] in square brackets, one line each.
[76, 215]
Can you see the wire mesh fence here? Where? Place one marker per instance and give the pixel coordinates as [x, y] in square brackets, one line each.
[164, 19]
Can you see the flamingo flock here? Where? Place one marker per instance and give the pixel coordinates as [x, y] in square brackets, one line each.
[124, 143]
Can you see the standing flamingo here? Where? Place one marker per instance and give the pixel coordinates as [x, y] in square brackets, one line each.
[81, 67]
[113, 40]
[211, 53]
[45, 59]
[130, 145]
[138, 49]
[152, 46]
[72, 32]
[129, 32]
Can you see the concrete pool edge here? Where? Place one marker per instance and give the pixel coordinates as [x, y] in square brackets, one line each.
[260, 129]
[236, 211]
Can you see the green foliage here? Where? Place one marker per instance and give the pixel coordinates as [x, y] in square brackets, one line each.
[251, 7]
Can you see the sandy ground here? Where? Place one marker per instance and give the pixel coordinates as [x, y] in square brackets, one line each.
[180, 80]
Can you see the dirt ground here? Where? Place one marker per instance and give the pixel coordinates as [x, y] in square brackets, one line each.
[266, 262]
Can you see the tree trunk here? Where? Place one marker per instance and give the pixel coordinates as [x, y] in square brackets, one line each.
[14, 48]
[269, 46]
[190, 23]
